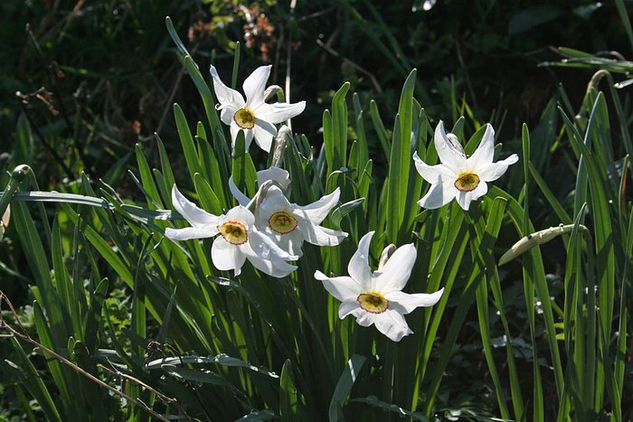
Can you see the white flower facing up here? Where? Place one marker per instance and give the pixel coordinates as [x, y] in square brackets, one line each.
[377, 297]
[291, 224]
[239, 240]
[464, 179]
[254, 116]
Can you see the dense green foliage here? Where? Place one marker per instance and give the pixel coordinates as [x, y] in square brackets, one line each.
[93, 279]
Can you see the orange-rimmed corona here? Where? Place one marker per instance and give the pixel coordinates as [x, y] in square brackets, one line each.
[373, 302]
[282, 222]
[467, 181]
[234, 232]
[244, 118]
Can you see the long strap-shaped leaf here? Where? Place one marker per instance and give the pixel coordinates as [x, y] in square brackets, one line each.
[72, 198]
[344, 386]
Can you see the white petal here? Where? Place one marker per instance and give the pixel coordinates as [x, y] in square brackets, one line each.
[480, 190]
[342, 288]
[396, 272]
[347, 307]
[364, 318]
[273, 202]
[445, 150]
[431, 173]
[317, 211]
[291, 242]
[274, 267]
[322, 236]
[358, 267]
[392, 324]
[194, 215]
[276, 174]
[264, 246]
[279, 112]
[226, 256]
[191, 232]
[264, 133]
[238, 194]
[224, 94]
[484, 153]
[241, 214]
[440, 194]
[255, 84]
[464, 198]
[235, 130]
[405, 303]
[493, 171]
[227, 114]
[248, 136]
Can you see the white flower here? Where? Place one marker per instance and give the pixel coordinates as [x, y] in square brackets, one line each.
[377, 297]
[290, 224]
[457, 176]
[239, 239]
[254, 116]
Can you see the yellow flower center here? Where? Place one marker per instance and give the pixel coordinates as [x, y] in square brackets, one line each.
[234, 232]
[467, 181]
[244, 118]
[373, 302]
[282, 222]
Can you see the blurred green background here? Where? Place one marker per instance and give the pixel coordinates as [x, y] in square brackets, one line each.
[97, 76]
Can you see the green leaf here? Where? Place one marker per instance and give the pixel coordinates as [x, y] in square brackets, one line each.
[221, 359]
[165, 165]
[208, 199]
[203, 376]
[493, 225]
[379, 127]
[45, 338]
[236, 65]
[33, 382]
[341, 211]
[146, 177]
[400, 160]
[174, 36]
[335, 130]
[344, 386]
[238, 171]
[373, 401]
[212, 172]
[288, 404]
[186, 140]
[258, 416]
[624, 17]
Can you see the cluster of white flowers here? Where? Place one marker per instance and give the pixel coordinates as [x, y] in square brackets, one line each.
[268, 230]
[269, 237]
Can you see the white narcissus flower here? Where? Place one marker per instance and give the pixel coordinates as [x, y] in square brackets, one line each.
[291, 224]
[239, 240]
[254, 116]
[464, 179]
[377, 297]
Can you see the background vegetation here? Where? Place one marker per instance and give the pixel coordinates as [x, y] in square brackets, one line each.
[85, 85]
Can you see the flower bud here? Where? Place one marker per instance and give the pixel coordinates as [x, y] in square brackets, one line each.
[385, 255]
